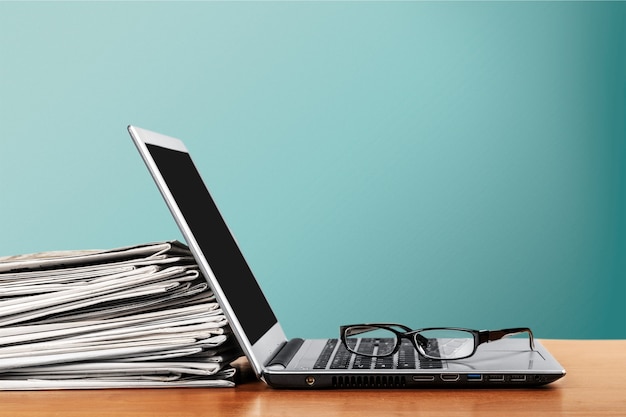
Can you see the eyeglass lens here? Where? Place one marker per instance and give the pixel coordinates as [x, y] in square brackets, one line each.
[371, 341]
[445, 343]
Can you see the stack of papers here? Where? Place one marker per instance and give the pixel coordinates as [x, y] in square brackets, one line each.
[140, 316]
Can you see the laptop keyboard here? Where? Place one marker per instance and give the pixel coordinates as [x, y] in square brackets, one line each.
[336, 356]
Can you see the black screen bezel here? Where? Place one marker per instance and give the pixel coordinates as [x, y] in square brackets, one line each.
[214, 240]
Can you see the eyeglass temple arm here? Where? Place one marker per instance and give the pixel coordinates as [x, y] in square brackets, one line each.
[492, 335]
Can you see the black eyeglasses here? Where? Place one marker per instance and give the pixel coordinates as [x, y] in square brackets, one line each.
[442, 343]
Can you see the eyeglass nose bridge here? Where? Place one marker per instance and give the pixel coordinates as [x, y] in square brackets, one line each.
[420, 343]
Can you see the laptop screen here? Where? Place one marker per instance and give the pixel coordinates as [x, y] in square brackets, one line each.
[215, 240]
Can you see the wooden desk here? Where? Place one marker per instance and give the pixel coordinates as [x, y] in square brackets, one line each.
[595, 385]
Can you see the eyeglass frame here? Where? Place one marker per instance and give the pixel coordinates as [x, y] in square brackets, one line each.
[480, 337]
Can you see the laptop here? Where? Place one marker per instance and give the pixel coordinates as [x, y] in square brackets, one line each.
[310, 363]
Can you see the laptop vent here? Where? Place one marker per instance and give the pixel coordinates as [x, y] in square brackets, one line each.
[369, 382]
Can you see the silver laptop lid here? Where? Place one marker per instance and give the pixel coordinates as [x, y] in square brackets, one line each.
[212, 245]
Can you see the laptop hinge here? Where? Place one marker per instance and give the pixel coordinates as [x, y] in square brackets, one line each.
[286, 352]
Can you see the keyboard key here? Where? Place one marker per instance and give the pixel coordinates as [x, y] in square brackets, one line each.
[426, 363]
[327, 352]
[341, 359]
[362, 362]
[385, 362]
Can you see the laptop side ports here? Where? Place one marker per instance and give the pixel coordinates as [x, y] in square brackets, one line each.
[423, 378]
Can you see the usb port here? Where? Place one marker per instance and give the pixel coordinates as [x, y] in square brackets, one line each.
[474, 377]
[495, 377]
[518, 378]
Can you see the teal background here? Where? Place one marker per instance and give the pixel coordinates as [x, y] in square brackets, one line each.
[428, 163]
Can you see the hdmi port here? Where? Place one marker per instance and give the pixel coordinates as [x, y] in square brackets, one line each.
[423, 378]
[450, 377]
